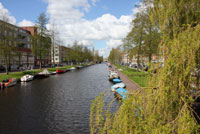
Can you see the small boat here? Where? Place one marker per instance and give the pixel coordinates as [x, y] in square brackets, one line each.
[60, 71]
[44, 74]
[1, 85]
[118, 85]
[73, 68]
[53, 73]
[67, 70]
[11, 82]
[113, 75]
[116, 80]
[26, 78]
[121, 93]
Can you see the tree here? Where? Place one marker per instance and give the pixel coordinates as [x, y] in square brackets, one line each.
[53, 35]
[7, 41]
[144, 38]
[115, 55]
[170, 103]
[41, 40]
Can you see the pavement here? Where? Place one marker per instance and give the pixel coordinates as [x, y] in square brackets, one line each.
[130, 85]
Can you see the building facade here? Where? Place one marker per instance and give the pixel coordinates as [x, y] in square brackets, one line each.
[56, 54]
[45, 59]
[20, 40]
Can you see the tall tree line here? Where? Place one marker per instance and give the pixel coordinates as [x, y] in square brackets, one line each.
[144, 38]
[78, 53]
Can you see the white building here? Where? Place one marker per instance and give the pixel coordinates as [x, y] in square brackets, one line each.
[125, 59]
[56, 54]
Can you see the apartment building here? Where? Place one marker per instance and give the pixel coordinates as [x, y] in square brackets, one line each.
[46, 58]
[56, 54]
[19, 39]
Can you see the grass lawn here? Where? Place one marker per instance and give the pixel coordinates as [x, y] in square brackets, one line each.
[31, 72]
[138, 77]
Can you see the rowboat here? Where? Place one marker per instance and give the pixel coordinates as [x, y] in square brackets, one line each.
[121, 93]
[116, 80]
[60, 71]
[118, 85]
[11, 82]
[44, 74]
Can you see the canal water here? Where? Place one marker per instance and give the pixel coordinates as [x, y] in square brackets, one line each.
[59, 104]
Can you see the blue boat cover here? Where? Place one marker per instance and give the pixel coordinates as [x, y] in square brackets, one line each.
[123, 92]
[117, 80]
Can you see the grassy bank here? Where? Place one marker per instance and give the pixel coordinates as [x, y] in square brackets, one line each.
[138, 77]
[31, 72]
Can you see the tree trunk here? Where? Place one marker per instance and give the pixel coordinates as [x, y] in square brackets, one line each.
[40, 62]
[6, 66]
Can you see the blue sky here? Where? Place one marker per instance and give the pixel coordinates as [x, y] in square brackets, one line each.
[100, 23]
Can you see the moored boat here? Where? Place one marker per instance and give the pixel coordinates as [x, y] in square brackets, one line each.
[11, 82]
[26, 78]
[118, 85]
[113, 75]
[121, 93]
[44, 74]
[116, 80]
[53, 73]
[67, 70]
[72, 68]
[60, 71]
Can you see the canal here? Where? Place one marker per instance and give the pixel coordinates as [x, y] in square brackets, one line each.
[58, 104]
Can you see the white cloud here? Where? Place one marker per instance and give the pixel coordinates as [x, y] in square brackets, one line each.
[86, 43]
[6, 15]
[114, 43]
[68, 15]
[104, 52]
[25, 23]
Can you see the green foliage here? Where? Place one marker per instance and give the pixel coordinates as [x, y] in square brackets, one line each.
[141, 78]
[79, 54]
[7, 40]
[143, 39]
[41, 41]
[115, 55]
[166, 105]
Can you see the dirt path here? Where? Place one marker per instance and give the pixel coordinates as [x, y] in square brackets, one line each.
[130, 85]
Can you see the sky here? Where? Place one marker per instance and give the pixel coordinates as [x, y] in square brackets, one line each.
[101, 24]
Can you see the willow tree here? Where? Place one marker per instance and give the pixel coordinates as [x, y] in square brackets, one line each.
[168, 104]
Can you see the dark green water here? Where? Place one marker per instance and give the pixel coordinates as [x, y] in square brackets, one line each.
[59, 104]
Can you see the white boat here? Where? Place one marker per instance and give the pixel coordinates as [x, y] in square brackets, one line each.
[45, 73]
[26, 78]
[53, 73]
[119, 85]
[73, 68]
[113, 75]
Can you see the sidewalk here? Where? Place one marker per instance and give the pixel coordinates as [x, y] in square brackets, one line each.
[130, 85]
